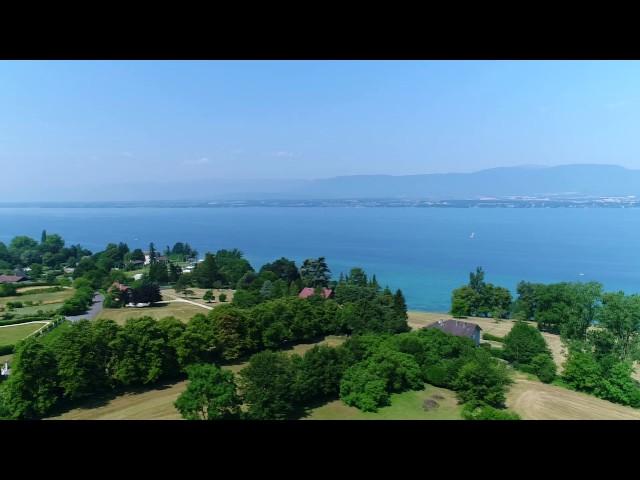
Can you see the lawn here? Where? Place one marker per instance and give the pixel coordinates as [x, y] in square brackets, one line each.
[404, 406]
[182, 311]
[52, 297]
[198, 293]
[11, 334]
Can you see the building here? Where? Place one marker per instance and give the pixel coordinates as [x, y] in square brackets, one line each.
[310, 292]
[137, 276]
[459, 329]
[12, 278]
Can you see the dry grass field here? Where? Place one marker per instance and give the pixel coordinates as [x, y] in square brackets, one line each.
[182, 311]
[534, 400]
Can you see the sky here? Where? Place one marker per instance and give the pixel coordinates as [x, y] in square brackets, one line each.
[80, 124]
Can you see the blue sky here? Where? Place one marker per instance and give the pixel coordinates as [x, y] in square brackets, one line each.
[65, 124]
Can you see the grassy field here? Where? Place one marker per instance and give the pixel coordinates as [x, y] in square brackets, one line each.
[157, 403]
[46, 298]
[182, 311]
[404, 406]
[170, 293]
[11, 334]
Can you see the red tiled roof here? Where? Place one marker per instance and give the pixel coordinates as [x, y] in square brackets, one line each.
[309, 292]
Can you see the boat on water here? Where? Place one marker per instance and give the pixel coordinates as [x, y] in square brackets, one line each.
[473, 235]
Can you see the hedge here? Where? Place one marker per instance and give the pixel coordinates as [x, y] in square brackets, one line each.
[17, 321]
[7, 349]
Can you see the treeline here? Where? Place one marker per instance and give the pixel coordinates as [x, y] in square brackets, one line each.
[363, 372]
[601, 329]
[87, 358]
[50, 253]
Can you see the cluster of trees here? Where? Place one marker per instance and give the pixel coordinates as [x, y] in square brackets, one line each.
[50, 252]
[480, 299]
[568, 309]
[363, 372]
[181, 252]
[88, 358]
[222, 269]
[80, 301]
[526, 349]
[141, 291]
[91, 357]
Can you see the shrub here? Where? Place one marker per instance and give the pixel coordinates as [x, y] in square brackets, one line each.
[6, 349]
[222, 297]
[486, 412]
[544, 367]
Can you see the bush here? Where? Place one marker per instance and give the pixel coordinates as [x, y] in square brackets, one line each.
[222, 297]
[6, 349]
[486, 412]
[543, 366]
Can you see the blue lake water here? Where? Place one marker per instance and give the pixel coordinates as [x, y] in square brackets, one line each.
[424, 251]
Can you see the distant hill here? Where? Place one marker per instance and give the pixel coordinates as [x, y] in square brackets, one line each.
[587, 180]
[531, 180]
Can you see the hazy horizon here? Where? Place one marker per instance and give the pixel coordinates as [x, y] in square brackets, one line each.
[90, 129]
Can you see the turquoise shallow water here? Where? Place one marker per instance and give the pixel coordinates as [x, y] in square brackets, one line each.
[424, 251]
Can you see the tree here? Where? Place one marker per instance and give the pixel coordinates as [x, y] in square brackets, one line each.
[544, 367]
[523, 343]
[32, 391]
[222, 297]
[208, 296]
[140, 352]
[145, 291]
[152, 253]
[314, 272]
[582, 371]
[43, 237]
[231, 265]
[210, 394]
[284, 268]
[265, 386]
[206, 272]
[476, 280]
[620, 315]
[82, 365]
[482, 380]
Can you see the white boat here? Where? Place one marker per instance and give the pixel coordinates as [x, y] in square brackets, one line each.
[473, 234]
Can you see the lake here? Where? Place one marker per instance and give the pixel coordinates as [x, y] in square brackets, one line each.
[426, 252]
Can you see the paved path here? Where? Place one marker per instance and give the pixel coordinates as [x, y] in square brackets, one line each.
[25, 323]
[95, 309]
[176, 299]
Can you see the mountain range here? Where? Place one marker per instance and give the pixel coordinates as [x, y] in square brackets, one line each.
[586, 180]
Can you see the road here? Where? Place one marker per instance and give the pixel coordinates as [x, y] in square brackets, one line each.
[95, 309]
